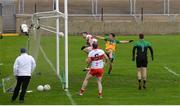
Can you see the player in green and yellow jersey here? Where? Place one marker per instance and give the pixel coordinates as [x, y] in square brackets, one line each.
[110, 43]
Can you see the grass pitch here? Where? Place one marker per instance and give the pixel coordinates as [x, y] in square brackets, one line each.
[120, 87]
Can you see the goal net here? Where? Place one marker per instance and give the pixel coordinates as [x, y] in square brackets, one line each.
[48, 46]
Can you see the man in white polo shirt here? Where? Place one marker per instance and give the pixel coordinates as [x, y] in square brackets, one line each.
[23, 67]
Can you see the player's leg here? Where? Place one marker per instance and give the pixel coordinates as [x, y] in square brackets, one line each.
[139, 71]
[85, 82]
[99, 82]
[110, 63]
[110, 67]
[87, 49]
[17, 88]
[139, 77]
[110, 54]
[25, 84]
[87, 67]
[111, 58]
[99, 76]
[144, 76]
[82, 48]
[144, 71]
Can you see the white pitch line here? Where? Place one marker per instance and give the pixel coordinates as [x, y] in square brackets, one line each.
[169, 70]
[48, 61]
[69, 95]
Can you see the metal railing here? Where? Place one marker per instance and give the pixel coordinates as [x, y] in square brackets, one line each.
[109, 8]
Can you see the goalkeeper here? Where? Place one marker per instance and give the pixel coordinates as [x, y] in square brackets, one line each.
[110, 43]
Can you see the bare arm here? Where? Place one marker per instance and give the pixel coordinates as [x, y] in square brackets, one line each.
[126, 41]
[89, 61]
[106, 58]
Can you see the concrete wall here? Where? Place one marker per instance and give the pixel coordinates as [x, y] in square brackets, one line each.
[125, 27]
[107, 26]
[1, 23]
[110, 6]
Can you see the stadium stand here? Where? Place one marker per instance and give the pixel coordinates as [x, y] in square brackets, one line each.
[115, 13]
[110, 6]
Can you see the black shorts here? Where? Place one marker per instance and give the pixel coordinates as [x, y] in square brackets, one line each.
[141, 62]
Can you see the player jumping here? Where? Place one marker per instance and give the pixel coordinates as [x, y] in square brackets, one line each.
[142, 59]
[95, 60]
[89, 41]
[110, 49]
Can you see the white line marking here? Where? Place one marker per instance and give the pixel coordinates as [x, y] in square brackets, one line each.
[169, 70]
[48, 61]
[69, 95]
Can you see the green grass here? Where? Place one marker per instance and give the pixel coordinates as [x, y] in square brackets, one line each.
[119, 88]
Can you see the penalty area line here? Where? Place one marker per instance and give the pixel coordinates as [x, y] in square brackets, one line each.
[68, 94]
[172, 72]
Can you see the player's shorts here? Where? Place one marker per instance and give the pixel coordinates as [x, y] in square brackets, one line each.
[113, 56]
[97, 72]
[141, 62]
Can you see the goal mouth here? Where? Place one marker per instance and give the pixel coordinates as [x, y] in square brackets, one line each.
[48, 44]
[49, 40]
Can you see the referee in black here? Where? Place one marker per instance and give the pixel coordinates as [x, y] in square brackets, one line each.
[23, 67]
[142, 59]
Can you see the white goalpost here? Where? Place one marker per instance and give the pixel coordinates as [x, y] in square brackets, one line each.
[56, 14]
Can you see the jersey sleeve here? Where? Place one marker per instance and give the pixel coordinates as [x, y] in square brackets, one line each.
[135, 44]
[118, 42]
[15, 67]
[149, 44]
[106, 38]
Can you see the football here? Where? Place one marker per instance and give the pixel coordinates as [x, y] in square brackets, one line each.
[47, 87]
[61, 34]
[40, 88]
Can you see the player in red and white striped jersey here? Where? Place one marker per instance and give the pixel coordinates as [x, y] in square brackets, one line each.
[89, 41]
[95, 60]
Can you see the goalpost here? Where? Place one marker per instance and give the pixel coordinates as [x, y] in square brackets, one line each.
[56, 14]
[53, 53]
